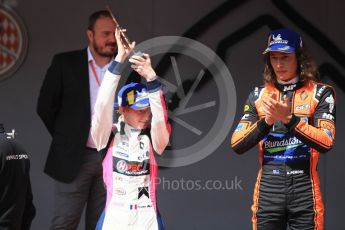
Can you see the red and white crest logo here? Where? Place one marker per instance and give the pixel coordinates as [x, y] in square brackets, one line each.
[13, 42]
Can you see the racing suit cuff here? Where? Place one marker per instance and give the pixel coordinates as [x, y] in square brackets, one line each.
[116, 67]
[293, 122]
[263, 127]
[153, 86]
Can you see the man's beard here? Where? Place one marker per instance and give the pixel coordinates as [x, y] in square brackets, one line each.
[99, 51]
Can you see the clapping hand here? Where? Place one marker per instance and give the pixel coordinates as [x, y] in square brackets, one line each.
[277, 110]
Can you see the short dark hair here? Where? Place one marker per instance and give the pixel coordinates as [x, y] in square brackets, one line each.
[306, 67]
[95, 16]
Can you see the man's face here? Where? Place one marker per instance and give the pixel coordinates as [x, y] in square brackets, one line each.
[138, 119]
[102, 37]
[284, 65]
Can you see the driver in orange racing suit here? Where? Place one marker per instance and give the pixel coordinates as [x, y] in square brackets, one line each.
[292, 118]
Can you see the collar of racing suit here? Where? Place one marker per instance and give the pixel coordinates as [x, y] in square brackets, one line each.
[292, 81]
[127, 130]
[290, 86]
[130, 132]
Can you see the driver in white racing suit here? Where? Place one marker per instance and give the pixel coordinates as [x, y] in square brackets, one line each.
[129, 167]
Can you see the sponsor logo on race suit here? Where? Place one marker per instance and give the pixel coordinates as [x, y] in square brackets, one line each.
[284, 148]
[330, 101]
[319, 92]
[328, 116]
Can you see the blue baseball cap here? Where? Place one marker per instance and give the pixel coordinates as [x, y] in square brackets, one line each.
[133, 95]
[283, 40]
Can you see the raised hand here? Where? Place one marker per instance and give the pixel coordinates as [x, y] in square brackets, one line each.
[142, 65]
[123, 50]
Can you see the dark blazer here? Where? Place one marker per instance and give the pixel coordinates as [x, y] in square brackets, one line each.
[64, 107]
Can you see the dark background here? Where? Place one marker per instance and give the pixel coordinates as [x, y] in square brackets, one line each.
[237, 32]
